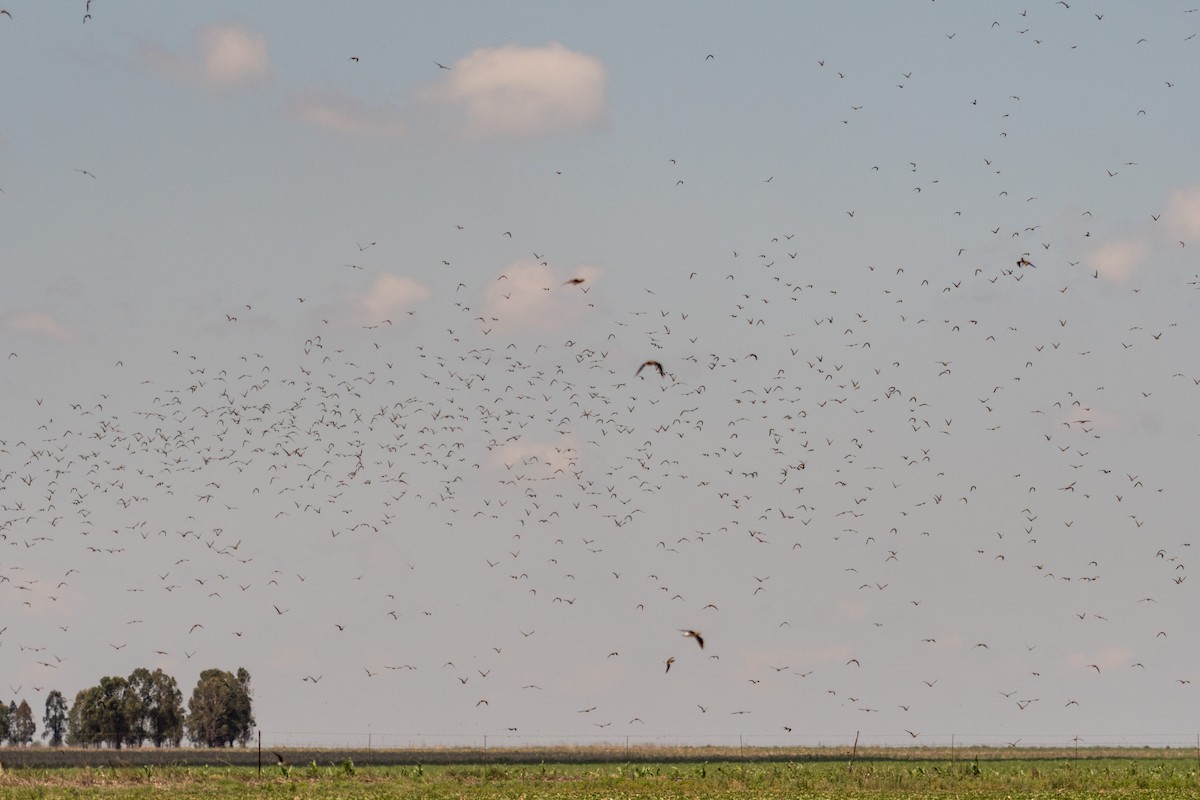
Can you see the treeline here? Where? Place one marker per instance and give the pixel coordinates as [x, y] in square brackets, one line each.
[146, 707]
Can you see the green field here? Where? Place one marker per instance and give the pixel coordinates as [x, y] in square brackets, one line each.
[814, 774]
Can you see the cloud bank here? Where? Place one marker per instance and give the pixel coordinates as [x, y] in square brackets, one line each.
[388, 298]
[514, 91]
[37, 323]
[1116, 260]
[1183, 212]
[346, 115]
[528, 295]
[225, 55]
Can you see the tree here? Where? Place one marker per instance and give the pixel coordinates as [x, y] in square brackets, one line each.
[21, 725]
[82, 727]
[118, 711]
[104, 713]
[5, 721]
[159, 707]
[219, 712]
[136, 705]
[246, 713]
[10, 724]
[54, 724]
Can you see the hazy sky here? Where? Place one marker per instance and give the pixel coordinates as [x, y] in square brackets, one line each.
[320, 336]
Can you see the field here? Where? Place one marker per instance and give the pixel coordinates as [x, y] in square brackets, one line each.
[580, 775]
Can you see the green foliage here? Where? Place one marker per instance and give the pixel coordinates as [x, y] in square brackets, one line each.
[327, 775]
[21, 726]
[219, 712]
[54, 723]
[160, 713]
[104, 714]
[148, 706]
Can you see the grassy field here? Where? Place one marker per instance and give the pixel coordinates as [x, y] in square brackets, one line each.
[43, 757]
[1163, 775]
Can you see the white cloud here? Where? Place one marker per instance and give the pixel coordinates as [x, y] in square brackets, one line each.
[1112, 657]
[542, 458]
[525, 91]
[1116, 260]
[37, 323]
[1183, 211]
[388, 301]
[232, 55]
[529, 295]
[754, 662]
[1089, 417]
[225, 55]
[342, 114]
[392, 295]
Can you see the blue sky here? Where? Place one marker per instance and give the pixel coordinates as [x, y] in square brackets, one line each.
[319, 359]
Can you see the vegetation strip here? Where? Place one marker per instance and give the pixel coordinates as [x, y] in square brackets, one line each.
[1162, 775]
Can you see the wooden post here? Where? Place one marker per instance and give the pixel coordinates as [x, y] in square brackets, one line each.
[260, 754]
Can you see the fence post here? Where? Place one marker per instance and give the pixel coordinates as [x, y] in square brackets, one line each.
[260, 754]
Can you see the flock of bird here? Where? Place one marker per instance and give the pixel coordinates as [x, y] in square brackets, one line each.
[877, 491]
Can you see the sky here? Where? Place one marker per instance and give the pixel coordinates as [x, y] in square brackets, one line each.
[444, 367]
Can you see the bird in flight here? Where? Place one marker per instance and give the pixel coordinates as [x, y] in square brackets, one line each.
[651, 363]
[688, 634]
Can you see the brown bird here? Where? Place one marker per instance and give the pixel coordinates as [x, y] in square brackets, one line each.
[669, 662]
[652, 363]
[687, 634]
